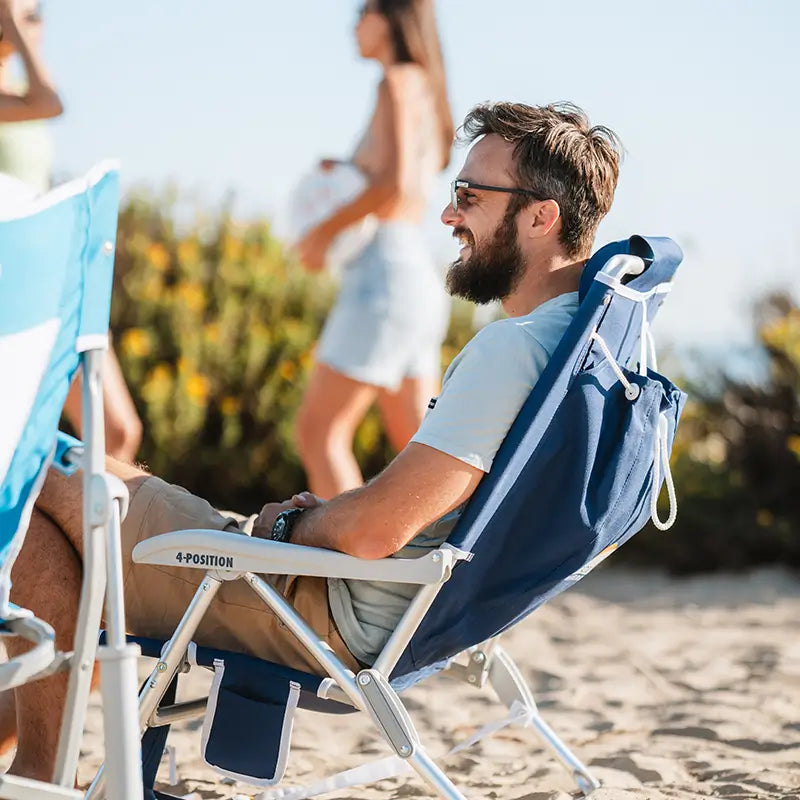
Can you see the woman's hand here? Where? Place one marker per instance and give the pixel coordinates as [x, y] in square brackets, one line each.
[313, 248]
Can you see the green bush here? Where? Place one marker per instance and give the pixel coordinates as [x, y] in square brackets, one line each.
[736, 463]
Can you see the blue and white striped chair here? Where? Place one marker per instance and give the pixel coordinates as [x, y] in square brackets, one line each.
[578, 474]
[56, 269]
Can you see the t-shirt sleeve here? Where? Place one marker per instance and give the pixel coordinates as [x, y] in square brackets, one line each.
[483, 394]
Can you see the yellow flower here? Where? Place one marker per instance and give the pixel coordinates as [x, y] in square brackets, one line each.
[157, 383]
[211, 331]
[197, 388]
[161, 373]
[307, 358]
[158, 256]
[793, 443]
[135, 342]
[188, 251]
[229, 406]
[232, 248]
[287, 370]
[192, 295]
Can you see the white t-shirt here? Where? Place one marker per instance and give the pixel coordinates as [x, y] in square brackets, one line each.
[482, 392]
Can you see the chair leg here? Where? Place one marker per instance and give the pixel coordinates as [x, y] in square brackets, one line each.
[511, 687]
[164, 671]
[390, 717]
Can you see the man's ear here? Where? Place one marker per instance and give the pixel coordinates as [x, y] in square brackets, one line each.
[541, 218]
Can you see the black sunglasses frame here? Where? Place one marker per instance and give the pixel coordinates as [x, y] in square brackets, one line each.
[457, 184]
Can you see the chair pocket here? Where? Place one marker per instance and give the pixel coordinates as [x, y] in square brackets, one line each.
[247, 734]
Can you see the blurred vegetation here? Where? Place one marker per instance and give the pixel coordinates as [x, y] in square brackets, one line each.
[215, 326]
[736, 463]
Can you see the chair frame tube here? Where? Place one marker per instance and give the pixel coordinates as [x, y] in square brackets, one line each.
[102, 579]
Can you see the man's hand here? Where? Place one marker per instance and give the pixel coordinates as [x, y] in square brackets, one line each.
[262, 527]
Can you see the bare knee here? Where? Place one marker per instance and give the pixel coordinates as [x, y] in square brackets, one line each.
[123, 437]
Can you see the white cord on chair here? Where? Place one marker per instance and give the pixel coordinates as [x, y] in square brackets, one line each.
[661, 461]
[631, 389]
[660, 454]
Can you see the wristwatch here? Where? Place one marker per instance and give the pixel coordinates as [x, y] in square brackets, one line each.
[284, 522]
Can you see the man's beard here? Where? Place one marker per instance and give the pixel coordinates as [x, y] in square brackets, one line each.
[494, 269]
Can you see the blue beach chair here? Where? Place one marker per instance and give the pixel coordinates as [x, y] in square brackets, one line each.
[593, 439]
[56, 268]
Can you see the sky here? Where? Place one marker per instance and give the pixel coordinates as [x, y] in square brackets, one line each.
[246, 96]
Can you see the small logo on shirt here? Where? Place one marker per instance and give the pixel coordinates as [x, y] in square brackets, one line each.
[432, 403]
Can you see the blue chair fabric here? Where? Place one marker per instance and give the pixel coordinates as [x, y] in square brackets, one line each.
[50, 297]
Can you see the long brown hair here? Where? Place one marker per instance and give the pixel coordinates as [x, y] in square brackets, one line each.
[416, 40]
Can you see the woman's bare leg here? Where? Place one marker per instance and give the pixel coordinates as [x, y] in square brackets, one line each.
[402, 411]
[333, 406]
[123, 428]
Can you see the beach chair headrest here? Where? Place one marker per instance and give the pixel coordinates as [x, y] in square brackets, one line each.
[660, 254]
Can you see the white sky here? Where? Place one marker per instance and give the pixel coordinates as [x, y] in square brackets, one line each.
[244, 96]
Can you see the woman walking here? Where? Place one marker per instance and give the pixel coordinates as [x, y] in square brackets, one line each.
[383, 337]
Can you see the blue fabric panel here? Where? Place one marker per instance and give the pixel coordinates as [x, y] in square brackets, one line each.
[572, 478]
[37, 254]
[103, 199]
[260, 672]
[41, 281]
[43, 278]
[246, 733]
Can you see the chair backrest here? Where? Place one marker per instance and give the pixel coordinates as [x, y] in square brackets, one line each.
[573, 478]
[56, 269]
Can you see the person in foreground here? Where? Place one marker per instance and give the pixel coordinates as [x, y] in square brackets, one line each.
[525, 207]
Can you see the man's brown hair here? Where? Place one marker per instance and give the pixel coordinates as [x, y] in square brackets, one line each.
[558, 156]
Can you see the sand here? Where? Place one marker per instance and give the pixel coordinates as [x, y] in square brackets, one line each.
[666, 688]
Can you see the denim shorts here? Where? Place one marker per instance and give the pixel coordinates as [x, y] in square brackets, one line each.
[390, 317]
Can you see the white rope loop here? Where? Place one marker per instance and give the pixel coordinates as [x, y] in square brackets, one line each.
[661, 462]
[647, 354]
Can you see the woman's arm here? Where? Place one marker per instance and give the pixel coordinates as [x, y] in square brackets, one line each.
[41, 100]
[385, 181]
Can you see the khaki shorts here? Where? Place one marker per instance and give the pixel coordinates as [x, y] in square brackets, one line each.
[156, 596]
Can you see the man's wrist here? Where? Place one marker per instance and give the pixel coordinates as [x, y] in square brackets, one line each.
[284, 524]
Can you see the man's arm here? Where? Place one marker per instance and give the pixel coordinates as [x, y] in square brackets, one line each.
[377, 519]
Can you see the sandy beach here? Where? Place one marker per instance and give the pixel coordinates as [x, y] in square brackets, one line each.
[666, 688]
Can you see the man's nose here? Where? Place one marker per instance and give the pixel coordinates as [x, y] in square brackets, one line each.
[448, 216]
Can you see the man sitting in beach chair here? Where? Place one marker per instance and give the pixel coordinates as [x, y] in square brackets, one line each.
[526, 206]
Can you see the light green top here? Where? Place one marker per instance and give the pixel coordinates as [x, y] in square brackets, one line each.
[26, 152]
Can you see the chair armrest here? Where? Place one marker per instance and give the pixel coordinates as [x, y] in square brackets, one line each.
[24, 668]
[69, 454]
[235, 552]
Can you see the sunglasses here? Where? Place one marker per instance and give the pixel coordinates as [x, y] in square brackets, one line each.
[458, 186]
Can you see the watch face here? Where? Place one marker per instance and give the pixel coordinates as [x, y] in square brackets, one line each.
[279, 528]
